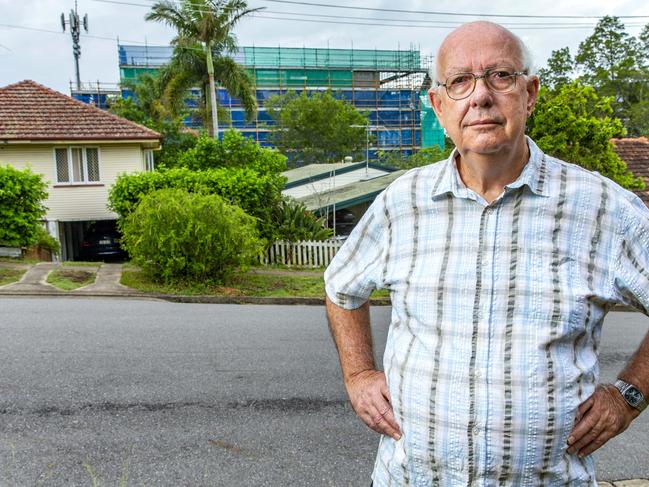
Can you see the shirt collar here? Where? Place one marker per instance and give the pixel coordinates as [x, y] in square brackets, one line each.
[534, 175]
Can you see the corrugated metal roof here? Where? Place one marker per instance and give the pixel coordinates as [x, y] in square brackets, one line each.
[313, 171]
[351, 194]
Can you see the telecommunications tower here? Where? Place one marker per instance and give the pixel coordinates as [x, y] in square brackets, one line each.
[75, 30]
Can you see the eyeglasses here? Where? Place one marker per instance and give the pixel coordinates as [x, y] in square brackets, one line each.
[499, 80]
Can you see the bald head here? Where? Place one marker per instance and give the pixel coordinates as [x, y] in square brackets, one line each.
[478, 32]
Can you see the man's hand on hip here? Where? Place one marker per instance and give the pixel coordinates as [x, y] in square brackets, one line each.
[368, 392]
[602, 416]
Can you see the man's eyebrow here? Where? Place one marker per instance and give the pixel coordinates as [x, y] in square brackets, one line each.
[463, 69]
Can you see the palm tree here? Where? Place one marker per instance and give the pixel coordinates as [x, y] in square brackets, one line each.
[202, 46]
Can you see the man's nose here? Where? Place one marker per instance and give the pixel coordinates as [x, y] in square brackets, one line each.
[482, 95]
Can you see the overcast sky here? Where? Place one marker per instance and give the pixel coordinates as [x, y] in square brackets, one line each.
[44, 54]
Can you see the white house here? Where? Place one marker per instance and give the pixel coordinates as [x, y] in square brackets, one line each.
[79, 149]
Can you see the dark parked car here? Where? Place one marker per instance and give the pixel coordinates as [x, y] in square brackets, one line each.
[101, 242]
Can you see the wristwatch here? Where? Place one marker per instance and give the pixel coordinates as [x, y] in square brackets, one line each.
[631, 395]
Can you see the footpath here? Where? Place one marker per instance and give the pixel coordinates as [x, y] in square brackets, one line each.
[34, 282]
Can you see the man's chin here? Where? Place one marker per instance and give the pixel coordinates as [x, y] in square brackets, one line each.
[486, 147]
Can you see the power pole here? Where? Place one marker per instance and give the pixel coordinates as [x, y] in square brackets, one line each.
[75, 31]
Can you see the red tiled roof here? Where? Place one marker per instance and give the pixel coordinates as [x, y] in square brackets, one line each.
[30, 111]
[635, 152]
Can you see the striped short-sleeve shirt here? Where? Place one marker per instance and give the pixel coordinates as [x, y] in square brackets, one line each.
[496, 316]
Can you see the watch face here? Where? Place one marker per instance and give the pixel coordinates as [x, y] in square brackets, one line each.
[633, 396]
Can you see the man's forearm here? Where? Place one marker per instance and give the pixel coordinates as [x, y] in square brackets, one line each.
[366, 386]
[352, 335]
[636, 370]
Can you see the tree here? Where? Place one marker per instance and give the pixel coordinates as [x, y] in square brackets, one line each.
[21, 206]
[317, 128]
[611, 60]
[615, 64]
[161, 108]
[576, 124]
[560, 69]
[201, 47]
[607, 48]
[639, 119]
[644, 45]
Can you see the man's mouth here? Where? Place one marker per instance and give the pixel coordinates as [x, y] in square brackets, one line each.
[486, 121]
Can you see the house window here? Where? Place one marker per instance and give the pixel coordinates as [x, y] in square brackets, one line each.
[77, 164]
[149, 163]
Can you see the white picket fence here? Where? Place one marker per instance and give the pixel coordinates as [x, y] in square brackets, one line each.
[306, 253]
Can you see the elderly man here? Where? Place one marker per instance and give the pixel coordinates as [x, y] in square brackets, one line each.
[501, 262]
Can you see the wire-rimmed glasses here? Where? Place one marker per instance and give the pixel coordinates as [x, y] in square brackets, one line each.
[499, 80]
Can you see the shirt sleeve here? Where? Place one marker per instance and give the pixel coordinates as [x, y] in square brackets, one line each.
[631, 273]
[357, 268]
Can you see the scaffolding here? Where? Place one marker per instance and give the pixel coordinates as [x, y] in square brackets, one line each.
[388, 86]
[95, 93]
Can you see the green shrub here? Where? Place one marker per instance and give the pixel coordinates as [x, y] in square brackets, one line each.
[174, 235]
[46, 242]
[234, 150]
[255, 193]
[293, 222]
[21, 206]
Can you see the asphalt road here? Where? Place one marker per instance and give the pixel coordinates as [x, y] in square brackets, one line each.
[158, 393]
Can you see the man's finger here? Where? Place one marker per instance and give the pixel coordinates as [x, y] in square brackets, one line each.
[392, 421]
[388, 420]
[582, 428]
[379, 423]
[585, 406]
[386, 392]
[586, 438]
[595, 444]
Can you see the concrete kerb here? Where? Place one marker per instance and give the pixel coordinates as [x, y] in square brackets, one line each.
[181, 299]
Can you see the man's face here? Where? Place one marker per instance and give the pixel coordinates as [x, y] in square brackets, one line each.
[484, 122]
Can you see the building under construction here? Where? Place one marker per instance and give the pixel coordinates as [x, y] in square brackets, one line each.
[389, 86]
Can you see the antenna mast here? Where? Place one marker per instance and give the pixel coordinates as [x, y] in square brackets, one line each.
[75, 31]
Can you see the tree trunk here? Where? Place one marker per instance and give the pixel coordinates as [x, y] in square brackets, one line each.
[210, 74]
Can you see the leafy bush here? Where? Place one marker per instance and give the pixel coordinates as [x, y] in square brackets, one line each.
[257, 194]
[234, 150]
[46, 242]
[293, 222]
[21, 206]
[174, 235]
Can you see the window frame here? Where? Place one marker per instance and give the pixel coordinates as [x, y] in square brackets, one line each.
[84, 161]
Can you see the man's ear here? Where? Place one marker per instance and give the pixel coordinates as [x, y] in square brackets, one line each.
[436, 103]
[532, 93]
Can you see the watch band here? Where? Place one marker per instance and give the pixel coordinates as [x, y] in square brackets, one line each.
[625, 387]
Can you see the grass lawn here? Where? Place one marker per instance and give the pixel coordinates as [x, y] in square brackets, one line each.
[7, 276]
[19, 260]
[80, 263]
[239, 284]
[69, 280]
